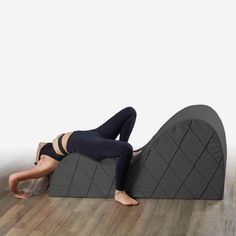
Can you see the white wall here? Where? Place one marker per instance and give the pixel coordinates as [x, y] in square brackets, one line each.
[69, 65]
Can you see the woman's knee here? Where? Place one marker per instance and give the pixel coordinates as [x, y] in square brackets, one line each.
[131, 111]
[127, 148]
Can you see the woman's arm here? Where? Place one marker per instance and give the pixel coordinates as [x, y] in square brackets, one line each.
[33, 173]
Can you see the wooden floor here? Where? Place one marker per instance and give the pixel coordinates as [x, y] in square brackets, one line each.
[43, 215]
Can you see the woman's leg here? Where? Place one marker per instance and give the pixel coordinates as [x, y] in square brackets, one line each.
[121, 123]
[100, 148]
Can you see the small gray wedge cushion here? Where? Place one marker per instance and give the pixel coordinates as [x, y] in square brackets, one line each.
[185, 159]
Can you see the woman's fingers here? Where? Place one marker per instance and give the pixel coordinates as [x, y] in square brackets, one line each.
[26, 194]
[22, 194]
[19, 196]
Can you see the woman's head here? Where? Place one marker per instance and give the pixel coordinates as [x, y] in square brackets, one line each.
[39, 185]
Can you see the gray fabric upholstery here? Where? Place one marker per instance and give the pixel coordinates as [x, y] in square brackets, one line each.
[185, 159]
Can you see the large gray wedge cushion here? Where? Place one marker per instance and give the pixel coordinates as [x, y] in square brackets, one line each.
[185, 159]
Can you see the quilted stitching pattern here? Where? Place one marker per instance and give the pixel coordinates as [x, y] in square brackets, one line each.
[185, 160]
[199, 167]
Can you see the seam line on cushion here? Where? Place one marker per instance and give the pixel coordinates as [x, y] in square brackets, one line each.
[172, 158]
[82, 169]
[91, 180]
[175, 173]
[73, 176]
[140, 191]
[139, 171]
[204, 189]
[111, 179]
[205, 149]
[110, 186]
[194, 164]
[156, 182]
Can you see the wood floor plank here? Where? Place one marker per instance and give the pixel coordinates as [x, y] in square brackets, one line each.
[44, 215]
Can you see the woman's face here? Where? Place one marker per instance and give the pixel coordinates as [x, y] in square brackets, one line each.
[46, 161]
[43, 160]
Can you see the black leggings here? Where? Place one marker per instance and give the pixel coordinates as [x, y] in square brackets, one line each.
[100, 143]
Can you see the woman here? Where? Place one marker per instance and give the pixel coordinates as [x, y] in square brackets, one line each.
[96, 143]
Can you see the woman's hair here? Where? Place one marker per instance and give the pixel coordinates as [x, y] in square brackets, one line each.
[39, 185]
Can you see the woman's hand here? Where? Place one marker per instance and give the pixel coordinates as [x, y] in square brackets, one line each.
[22, 194]
[13, 182]
[13, 187]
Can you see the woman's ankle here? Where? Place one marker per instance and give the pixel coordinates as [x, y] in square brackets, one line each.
[119, 191]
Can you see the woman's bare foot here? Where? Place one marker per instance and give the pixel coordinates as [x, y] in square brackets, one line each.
[123, 198]
[135, 153]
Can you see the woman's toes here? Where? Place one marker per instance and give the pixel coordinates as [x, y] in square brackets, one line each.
[136, 153]
[135, 202]
[125, 199]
